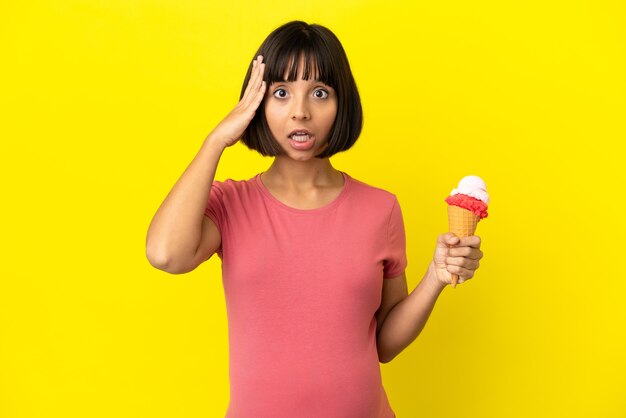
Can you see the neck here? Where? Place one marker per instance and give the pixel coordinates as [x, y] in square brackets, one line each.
[302, 175]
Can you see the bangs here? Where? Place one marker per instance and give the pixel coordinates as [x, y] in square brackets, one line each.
[288, 59]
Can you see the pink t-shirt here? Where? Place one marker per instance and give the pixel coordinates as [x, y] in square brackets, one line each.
[302, 287]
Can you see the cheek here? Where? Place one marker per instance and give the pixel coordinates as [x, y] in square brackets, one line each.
[274, 111]
[330, 117]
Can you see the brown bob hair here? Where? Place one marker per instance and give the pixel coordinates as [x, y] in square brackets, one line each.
[325, 57]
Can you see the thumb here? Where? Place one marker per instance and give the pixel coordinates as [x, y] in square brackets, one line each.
[448, 239]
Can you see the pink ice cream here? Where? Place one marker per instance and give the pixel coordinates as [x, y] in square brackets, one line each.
[471, 194]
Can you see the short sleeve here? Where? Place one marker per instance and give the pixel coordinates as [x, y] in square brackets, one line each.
[215, 209]
[395, 260]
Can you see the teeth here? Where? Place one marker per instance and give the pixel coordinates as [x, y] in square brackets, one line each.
[300, 137]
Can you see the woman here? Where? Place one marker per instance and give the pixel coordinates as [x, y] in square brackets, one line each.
[313, 260]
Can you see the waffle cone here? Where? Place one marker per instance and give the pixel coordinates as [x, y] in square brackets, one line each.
[462, 223]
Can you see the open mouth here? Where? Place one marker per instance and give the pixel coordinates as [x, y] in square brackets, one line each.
[301, 139]
[300, 135]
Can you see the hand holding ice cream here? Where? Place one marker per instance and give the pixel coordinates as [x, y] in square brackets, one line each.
[458, 252]
[455, 255]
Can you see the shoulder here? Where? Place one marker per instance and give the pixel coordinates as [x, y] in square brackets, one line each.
[230, 187]
[234, 196]
[372, 193]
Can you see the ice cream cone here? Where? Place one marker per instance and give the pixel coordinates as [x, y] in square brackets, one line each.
[462, 223]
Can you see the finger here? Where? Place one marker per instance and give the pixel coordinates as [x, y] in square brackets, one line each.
[463, 273]
[253, 82]
[255, 85]
[469, 252]
[448, 239]
[466, 263]
[471, 241]
[257, 91]
[250, 80]
[259, 96]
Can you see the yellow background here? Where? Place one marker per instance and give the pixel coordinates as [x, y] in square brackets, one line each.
[103, 105]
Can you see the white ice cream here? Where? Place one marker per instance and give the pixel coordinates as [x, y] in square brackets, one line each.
[472, 186]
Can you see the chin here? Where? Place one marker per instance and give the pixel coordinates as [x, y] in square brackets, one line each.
[302, 156]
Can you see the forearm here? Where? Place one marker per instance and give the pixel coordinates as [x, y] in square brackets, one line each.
[407, 319]
[175, 231]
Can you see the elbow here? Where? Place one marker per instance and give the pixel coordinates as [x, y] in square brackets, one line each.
[163, 257]
[155, 254]
[167, 266]
[157, 260]
[159, 257]
[162, 261]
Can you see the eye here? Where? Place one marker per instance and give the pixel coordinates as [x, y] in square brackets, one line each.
[321, 93]
[280, 93]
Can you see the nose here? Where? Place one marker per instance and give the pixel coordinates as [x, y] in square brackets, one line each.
[300, 109]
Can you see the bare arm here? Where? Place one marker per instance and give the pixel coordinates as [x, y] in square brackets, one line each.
[176, 241]
[406, 319]
[176, 230]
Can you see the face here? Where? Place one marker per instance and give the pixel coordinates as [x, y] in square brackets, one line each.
[300, 115]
